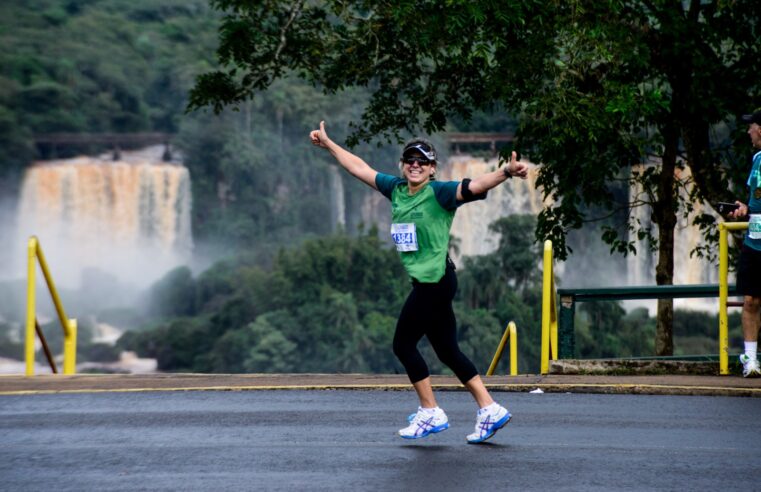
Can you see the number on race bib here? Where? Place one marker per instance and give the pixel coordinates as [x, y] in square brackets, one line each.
[404, 236]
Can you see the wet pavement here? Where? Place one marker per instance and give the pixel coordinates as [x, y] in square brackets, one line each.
[345, 440]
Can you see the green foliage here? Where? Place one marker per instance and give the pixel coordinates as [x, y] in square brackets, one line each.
[605, 330]
[330, 305]
[599, 86]
[173, 295]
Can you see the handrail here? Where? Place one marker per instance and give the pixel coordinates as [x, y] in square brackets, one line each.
[511, 333]
[569, 297]
[642, 292]
[549, 312]
[724, 291]
[34, 252]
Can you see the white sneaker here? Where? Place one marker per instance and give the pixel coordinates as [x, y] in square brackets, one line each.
[489, 422]
[424, 423]
[751, 368]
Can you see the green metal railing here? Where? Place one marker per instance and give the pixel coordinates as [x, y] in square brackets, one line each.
[569, 298]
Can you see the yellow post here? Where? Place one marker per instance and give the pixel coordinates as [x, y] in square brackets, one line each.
[53, 292]
[498, 353]
[724, 291]
[553, 319]
[513, 348]
[30, 305]
[70, 348]
[546, 299]
[69, 325]
[511, 333]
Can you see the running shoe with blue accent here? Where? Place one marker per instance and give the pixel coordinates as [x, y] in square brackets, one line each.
[424, 423]
[489, 422]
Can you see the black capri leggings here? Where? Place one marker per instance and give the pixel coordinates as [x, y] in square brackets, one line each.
[428, 311]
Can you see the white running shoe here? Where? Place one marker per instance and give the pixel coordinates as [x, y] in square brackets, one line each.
[751, 368]
[425, 423]
[488, 423]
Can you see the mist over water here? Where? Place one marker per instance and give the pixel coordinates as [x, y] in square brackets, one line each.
[129, 219]
[591, 264]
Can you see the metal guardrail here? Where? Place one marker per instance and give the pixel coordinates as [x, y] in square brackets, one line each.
[569, 298]
[511, 333]
[69, 326]
[724, 291]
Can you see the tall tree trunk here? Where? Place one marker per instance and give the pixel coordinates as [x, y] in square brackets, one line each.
[664, 214]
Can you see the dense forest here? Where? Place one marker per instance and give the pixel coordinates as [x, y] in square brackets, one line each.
[287, 292]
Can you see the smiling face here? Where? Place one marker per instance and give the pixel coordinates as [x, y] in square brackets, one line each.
[417, 169]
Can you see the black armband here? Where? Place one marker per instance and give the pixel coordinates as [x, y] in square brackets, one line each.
[469, 196]
[506, 173]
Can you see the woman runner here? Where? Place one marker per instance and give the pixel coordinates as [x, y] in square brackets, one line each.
[422, 211]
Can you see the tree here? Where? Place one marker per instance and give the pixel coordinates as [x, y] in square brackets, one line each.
[599, 87]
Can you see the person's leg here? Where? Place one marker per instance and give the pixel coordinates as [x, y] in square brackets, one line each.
[409, 331]
[751, 319]
[429, 418]
[748, 272]
[424, 392]
[479, 391]
[442, 334]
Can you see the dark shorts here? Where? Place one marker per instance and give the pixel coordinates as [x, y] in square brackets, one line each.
[749, 272]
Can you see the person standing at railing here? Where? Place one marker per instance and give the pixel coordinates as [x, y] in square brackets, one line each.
[422, 211]
[749, 265]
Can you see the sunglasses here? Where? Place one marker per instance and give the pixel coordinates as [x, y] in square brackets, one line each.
[420, 160]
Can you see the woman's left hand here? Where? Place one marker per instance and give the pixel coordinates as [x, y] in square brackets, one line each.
[517, 168]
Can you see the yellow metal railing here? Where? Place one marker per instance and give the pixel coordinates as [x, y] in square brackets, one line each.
[549, 311]
[724, 227]
[69, 325]
[511, 333]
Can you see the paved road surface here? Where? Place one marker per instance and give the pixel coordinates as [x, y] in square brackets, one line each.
[345, 440]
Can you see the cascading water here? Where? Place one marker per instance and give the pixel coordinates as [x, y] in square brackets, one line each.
[687, 269]
[338, 199]
[590, 267]
[129, 218]
[471, 224]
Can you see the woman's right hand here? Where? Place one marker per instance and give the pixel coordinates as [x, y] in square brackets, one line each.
[319, 137]
[740, 212]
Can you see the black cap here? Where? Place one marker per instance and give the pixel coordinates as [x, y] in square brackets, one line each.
[424, 147]
[752, 118]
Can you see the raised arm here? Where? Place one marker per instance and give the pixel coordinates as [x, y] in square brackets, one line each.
[352, 163]
[493, 179]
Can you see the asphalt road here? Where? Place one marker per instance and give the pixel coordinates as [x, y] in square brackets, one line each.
[345, 440]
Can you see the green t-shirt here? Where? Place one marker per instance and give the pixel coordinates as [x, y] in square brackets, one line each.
[422, 221]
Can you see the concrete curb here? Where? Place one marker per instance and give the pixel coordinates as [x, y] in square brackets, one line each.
[602, 384]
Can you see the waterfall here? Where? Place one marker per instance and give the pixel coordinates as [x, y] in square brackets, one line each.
[591, 264]
[129, 218]
[687, 270]
[338, 199]
[471, 223]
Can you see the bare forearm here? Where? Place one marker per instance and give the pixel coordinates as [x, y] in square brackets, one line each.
[346, 159]
[352, 163]
[487, 181]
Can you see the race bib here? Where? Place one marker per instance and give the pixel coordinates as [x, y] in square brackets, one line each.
[754, 226]
[404, 236]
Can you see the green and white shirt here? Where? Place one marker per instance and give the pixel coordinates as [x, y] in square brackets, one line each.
[420, 224]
